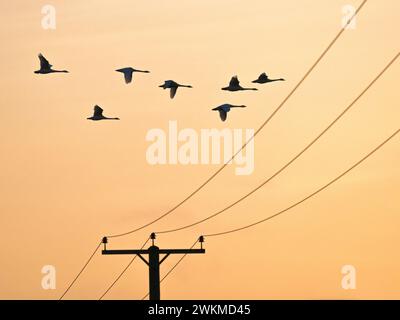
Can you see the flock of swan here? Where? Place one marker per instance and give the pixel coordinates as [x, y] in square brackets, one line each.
[234, 85]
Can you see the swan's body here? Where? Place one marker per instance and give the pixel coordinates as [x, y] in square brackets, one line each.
[128, 73]
[173, 86]
[225, 108]
[263, 78]
[234, 85]
[45, 66]
[98, 115]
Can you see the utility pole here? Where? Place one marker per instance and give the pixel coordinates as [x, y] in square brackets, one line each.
[154, 261]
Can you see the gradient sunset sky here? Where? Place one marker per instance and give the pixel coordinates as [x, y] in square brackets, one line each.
[66, 182]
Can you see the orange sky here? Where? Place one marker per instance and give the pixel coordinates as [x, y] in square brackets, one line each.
[65, 181]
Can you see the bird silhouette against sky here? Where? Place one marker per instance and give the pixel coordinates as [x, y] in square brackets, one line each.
[173, 86]
[225, 108]
[128, 73]
[98, 115]
[234, 85]
[45, 66]
[263, 78]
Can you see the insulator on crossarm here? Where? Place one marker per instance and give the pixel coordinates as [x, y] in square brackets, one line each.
[105, 241]
[153, 237]
[201, 240]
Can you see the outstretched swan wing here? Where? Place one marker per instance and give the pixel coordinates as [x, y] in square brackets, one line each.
[172, 93]
[44, 64]
[98, 112]
[222, 114]
[234, 82]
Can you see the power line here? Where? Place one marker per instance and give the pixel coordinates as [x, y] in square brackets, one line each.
[308, 146]
[173, 267]
[80, 272]
[244, 146]
[123, 271]
[256, 132]
[309, 196]
[292, 206]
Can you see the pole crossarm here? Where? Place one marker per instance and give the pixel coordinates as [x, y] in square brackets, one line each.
[153, 262]
[161, 251]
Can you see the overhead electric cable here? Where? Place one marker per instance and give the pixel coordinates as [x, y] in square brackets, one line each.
[309, 71]
[310, 195]
[123, 271]
[80, 272]
[308, 146]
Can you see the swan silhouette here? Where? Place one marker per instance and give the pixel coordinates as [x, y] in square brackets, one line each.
[234, 85]
[263, 78]
[128, 73]
[225, 108]
[45, 66]
[98, 115]
[173, 86]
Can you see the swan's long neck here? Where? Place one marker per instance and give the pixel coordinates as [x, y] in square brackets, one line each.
[63, 71]
[184, 85]
[250, 89]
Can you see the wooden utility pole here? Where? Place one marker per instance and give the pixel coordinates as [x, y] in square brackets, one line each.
[154, 261]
